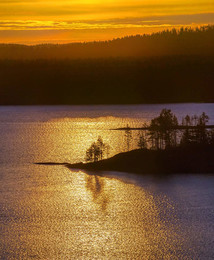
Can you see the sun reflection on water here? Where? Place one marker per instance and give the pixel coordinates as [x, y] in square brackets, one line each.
[98, 216]
[64, 214]
[96, 184]
[120, 219]
[67, 139]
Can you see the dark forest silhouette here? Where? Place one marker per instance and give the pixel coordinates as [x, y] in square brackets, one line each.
[186, 41]
[164, 131]
[166, 67]
[107, 81]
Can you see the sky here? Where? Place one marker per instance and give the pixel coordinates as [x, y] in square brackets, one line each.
[46, 21]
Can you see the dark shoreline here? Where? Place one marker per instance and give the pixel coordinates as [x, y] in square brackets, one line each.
[179, 160]
[178, 127]
[108, 81]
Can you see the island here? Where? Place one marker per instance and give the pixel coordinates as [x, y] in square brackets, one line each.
[165, 147]
[192, 159]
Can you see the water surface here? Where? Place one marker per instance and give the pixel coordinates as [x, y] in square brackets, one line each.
[51, 212]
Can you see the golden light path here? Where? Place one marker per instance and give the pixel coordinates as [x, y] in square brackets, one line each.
[51, 212]
[65, 21]
[79, 215]
[73, 215]
[69, 138]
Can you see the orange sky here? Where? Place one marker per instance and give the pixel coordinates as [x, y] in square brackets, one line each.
[41, 21]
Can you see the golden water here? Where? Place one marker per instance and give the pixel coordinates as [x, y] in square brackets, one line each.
[51, 212]
[59, 214]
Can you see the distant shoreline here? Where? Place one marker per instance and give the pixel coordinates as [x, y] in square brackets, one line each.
[179, 127]
[108, 81]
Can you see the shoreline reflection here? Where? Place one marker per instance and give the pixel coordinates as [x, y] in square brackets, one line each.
[96, 185]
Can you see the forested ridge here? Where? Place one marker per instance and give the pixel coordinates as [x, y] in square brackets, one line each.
[107, 81]
[186, 41]
[177, 75]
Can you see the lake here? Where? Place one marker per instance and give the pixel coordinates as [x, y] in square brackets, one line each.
[51, 212]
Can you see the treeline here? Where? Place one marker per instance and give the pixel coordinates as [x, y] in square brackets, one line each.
[163, 132]
[107, 81]
[186, 41]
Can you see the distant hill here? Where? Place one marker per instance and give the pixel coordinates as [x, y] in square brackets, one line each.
[107, 81]
[185, 41]
[165, 67]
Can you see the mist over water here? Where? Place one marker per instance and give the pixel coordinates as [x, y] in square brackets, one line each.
[51, 212]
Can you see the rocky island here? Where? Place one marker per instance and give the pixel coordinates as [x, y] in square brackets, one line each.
[165, 147]
[191, 159]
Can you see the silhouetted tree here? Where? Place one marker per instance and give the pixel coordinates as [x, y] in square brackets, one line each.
[97, 150]
[163, 130]
[142, 141]
[211, 137]
[201, 131]
[187, 135]
[195, 131]
[128, 137]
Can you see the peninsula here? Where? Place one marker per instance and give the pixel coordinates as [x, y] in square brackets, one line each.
[165, 147]
[181, 160]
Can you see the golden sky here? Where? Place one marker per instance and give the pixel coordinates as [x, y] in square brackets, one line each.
[41, 21]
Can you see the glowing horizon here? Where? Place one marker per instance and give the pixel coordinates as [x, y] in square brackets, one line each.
[71, 21]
